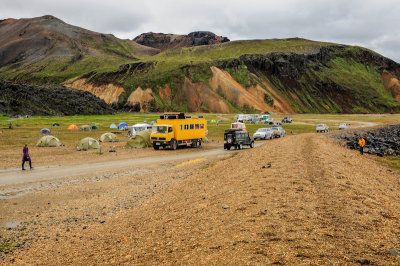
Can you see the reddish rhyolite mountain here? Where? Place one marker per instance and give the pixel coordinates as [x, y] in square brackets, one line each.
[33, 40]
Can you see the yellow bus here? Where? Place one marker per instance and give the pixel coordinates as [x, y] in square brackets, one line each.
[175, 129]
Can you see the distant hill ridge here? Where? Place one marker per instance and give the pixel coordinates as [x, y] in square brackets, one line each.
[168, 41]
[200, 72]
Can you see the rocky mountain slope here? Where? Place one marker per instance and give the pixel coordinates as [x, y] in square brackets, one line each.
[279, 75]
[17, 99]
[46, 46]
[168, 41]
[284, 76]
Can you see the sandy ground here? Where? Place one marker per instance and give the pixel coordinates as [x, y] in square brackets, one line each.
[297, 200]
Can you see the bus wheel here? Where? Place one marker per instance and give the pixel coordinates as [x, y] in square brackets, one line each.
[156, 147]
[194, 144]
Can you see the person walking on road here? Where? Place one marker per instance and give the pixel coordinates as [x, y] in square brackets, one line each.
[361, 142]
[26, 157]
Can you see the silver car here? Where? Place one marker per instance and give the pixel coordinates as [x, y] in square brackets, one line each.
[263, 133]
[279, 132]
[322, 128]
[342, 126]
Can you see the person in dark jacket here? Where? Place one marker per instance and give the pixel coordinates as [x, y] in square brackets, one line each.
[26, 157]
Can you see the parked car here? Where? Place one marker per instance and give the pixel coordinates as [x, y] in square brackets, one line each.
[287, 120]
[278, 132]
[237, 138]
[322, 128]
[342, 126]
[263, 133]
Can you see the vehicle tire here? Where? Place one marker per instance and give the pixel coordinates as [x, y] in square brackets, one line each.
[228, 147]
[252, 144]
[265, 137]
[156, 147]
[174, 145]
[240, 146]
[194, 144]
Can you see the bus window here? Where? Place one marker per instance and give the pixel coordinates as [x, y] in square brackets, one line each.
[186, 126]
[191, 126]
[196, 126]
[201, 126]
[180, 127]
[169, 129]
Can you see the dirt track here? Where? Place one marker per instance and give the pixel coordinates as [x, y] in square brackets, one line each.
[317, 203]
[48, 173]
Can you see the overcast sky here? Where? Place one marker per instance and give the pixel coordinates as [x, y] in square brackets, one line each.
[374, 24]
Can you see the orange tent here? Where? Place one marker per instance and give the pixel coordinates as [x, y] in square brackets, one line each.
[71, 127]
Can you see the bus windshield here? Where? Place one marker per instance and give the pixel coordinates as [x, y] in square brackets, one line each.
[159, 129]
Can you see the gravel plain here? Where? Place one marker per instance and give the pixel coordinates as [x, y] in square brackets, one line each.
[301, 199]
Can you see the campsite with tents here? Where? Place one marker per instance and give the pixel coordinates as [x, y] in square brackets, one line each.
[69, 130]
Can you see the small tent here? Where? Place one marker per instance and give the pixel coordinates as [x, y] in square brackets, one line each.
[109, 137]
[44, 131]
[137, 128]
[87, 144]
[140, 140]
[213, 121]
[48, 141]
[113, 126]
[94, 128]
[72, 127]
[86, 128]
[55, 125]
[122, 126]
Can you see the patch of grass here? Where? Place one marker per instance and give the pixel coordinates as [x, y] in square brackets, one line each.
[241, 75]
[361, 82]
[236, 49]
[393, 162]
[6, 245]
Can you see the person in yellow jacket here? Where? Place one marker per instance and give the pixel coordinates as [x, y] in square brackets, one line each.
[361, 142]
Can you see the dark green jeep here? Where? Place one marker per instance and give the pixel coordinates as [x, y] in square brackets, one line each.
[237, 138]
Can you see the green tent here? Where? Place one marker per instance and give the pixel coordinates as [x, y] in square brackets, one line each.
[109, 137]
[48, 141]
[140, 140]
[86, 128]
[213, 121]
[87, 144]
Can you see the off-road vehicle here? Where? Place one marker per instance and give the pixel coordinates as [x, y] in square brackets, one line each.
[322, 128]
[237, 138]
